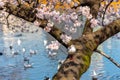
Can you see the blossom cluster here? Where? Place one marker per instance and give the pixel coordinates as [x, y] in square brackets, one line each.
[49, 26]
[85, 11]
[49, 13]
[65, 38]
[1, 4]
[54, 45]
[70, 19]
[94, 22]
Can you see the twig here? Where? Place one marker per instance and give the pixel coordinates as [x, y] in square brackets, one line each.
[7, 20]
[105, 12]
[108, 57]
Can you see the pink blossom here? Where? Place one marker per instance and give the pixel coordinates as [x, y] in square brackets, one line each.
[63, 17]
[94, 22]
[89, 16]
[36, 23]
[85, 10]
[47, 29]
[2, 3]
[73, 16]
[50, 24]
[57, 19]
[65, 38]
[40, 15]
[55, 13]
[77, 23]
[47, 15]
[67, 18]
[53, 46]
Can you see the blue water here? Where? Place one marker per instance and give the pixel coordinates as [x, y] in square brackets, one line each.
[12, 67]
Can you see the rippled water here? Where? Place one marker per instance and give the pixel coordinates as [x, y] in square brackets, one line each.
[12, 67]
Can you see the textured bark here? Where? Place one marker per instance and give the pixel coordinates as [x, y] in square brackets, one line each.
[24, 11]
[87, 27]
[107, 31]
[78, 62]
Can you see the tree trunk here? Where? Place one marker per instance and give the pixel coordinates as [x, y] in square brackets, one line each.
[77, 63]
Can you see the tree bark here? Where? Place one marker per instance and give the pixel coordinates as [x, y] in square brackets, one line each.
[77, 63]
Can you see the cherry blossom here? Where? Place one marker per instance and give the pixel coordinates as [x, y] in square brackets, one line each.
[89, 16]
[40, 15]
[53, 46]
[85, 10]
[50, 24]
[55, 13]
[57, 19]
[36, 23]
[2, 4]
[47, 29]
[77, 23]
[65, 18]
[74, 16]
[94, 22]
[65, 38]
[47, 15]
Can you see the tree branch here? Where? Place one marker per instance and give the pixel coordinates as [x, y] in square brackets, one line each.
[55, 32]
[87, 28]
[94, 8]
[107, 31]
[7, 20]
[78, 62]
[108, 57]
[29, 13]
[105, 12]
[24, 11]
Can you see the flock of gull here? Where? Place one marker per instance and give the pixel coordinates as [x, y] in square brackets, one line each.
[26, 59]
[27, 55]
